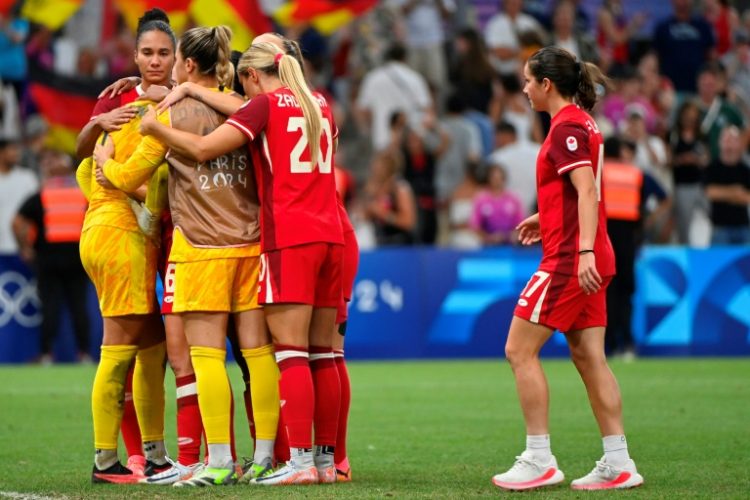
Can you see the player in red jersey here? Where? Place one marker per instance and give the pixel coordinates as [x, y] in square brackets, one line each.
[567, 293]
[291, 137]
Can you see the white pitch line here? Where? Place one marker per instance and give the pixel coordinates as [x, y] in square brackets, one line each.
[27, 496]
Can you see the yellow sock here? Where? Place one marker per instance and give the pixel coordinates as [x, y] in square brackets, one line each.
[214, 397]
[108, 393]
[156, 195]
[148, 391]
[264, 390]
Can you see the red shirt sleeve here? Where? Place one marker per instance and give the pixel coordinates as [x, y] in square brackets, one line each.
[570, 148]
[105, 105]
[252, 117]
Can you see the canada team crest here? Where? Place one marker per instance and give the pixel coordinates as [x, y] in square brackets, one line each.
[571, 143]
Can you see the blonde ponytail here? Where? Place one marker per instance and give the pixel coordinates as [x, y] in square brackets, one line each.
[270, 59]
[211, 51]
[224, 66]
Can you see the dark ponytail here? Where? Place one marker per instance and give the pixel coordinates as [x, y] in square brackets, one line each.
[581, 81]
[154, 20]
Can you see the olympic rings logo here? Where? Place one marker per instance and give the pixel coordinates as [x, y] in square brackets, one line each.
[19, 300]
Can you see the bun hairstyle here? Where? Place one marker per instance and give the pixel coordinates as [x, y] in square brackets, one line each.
[211, 51]
[154, 20]
[573, 79]
[271, 60]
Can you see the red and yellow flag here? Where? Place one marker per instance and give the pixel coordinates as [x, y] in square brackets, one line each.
[326, 16]
[244, 17]
[50, 13]
[176, 10]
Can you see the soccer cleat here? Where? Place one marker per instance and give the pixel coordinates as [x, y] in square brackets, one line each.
[177, 472]
[153, 468]
[289, 474]
[251, 470]
[343, 471]
[137, 464]
[209, 476]
[608, 477]
[116, 474]
[528, 474]
[325, 464]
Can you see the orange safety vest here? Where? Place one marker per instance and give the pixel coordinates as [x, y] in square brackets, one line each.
[64, 210]
[622, 190]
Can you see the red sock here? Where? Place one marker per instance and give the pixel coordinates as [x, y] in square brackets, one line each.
[297, 394]
[231, 426]
[327, 395]
[346, 398]
[189, 425]
[281, 445]
[131, 433]
[249, 409]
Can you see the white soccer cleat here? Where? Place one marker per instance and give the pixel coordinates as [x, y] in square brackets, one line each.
[608, 477]
[177, 472]
[528, 474]
[289, 474]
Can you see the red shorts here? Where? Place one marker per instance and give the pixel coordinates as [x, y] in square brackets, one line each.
[348, 272]
[166, 268]
[559, 302]
[303, 274]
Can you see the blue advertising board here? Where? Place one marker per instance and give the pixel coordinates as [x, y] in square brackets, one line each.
[413, 303]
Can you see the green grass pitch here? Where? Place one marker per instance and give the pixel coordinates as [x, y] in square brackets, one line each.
[424, 430]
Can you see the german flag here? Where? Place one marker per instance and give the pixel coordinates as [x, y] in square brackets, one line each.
[132, 10]
[244, 17]
[65, 103]
[50, 13]
[326, 16]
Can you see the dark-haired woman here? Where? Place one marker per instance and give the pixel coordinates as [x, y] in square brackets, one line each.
[121, 262]
[567, 293]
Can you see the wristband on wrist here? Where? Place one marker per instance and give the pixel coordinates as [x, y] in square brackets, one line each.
[581, 252]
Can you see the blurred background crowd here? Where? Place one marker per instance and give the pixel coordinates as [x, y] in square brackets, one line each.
[438, 141]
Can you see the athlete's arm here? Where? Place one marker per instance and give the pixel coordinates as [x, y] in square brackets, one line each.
[108, 122]
[139, 167]
[588, 218]
[226, 104]
[529, 230]
[200, 148]
[83, 176]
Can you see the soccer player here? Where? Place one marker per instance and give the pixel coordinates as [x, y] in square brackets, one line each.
[291, 138]
[216, 257]
[124, 277]
[567, 293]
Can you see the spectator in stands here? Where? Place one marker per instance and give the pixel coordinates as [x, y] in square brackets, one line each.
[16, 184]
[737, 64]
[390, 203]
[35, 132]
[566, 36]
[689, 155]
[420, 150]
[718, 113]
[460, 209]
[465, 148]
[627, 95]
[727, 185]
[614, 32]
[388, 89]
[425, 36]
[505, 34]
[496, 211]
[724, 20]
[13, 66]
[515, 109]
[518, 160]
[626, 190]
[48, 228]
[471, 73]
[658, 90]
[684, 43]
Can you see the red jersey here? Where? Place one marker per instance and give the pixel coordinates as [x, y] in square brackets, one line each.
[107, 104]
[574, 141]
[346, 223]
[298, 203]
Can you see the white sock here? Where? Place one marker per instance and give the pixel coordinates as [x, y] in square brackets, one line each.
[220, 456]
[539, 447]
[302, 457]
[104, 459]
[263, 450]
[155, 451]
[616, 450]
[324, 456]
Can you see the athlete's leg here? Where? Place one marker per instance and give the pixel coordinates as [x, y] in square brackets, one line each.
[343, 469]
